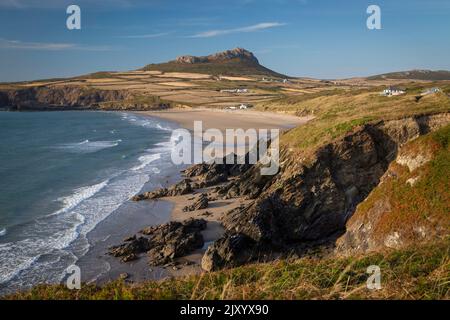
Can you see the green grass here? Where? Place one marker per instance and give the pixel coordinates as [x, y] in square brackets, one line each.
[414, 273]
[337, 112]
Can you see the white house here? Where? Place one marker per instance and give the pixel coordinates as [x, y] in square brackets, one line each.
[430, 91]
[392, 91]
[240, 90]
[243, 106]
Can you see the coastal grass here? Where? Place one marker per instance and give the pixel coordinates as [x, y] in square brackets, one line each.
[337, 112]
[412, 273]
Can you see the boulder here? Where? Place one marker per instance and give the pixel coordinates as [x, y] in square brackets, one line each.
[200, 203]
[163, 243]
[229, 251]
[181, 188]
[130, 249]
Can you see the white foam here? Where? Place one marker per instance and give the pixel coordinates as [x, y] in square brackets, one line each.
[64, 231]
[55, 233]
[79, 195]
[146, 160]
[159, 126]
[145, 122]
[87, 146]
[2, 232]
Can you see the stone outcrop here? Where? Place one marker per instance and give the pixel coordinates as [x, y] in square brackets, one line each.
[181, 188]
[237, 53]
[163, 243]
[228, 251]
[311, 201]
[200, 203]
[401, 211]
[131, 248]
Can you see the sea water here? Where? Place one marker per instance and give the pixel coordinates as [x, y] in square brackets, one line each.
[61, 174]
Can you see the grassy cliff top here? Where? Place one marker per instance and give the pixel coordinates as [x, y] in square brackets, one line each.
[339, 111]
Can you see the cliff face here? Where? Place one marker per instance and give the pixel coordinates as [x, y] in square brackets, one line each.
[309, 203]
[70, 97]
[410, 205]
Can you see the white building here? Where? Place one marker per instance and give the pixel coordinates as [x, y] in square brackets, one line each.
[430, 91]
[235, 90]
[392, 91]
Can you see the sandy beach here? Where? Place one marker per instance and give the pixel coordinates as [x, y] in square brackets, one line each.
[171, 208]
[219, 119]
[229, 119]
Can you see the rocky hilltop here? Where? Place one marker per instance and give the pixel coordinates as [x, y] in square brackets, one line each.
[237, 53]
[237, 61]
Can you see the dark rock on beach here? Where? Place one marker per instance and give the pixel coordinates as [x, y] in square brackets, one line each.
[200, 203]
[228, 251]
[181, 188]
[129, 250]
[163, 243]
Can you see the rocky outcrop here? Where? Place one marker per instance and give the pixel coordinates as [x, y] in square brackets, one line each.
[311, 201]
[206, 175]
[72, 97]
[409, 206]
[230, 250]
[200, 203]
[181, 188]
[237, 53]
[131, 248]
[163, 243]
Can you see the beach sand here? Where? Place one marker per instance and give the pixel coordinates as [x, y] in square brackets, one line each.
[229, 119]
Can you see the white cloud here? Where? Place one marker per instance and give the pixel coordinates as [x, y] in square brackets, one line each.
[146, 36]
[49, 46]
[252, 28]
[25, 4]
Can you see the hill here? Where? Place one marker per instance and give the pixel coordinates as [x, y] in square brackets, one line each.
[235, 62]
[413, 75]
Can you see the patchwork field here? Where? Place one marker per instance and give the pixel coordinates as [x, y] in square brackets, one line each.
[216, 91]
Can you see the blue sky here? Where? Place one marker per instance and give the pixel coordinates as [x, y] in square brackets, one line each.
[317, 38]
